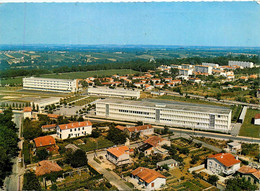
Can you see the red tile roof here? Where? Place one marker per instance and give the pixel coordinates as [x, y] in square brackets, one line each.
[257, 116]
[226, 159]
[75, 125]
[154, 140]
[250, 170]
[49, 126]
[139, 128]
[27, 109]
[44, 141]
[146, 174]
[53, 116]
[122, 128]
[118, 151]
[46, 167]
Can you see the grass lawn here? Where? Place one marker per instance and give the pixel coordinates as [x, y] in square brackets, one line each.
[248, 129]
[74, 75]
[92, 144]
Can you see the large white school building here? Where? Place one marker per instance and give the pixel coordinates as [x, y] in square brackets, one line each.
[50, 84]
[178, 114]
[241, 64]
[118, 92]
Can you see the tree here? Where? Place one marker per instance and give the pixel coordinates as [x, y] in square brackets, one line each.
[238, 184]
[116, 136]
[212, 179]
[76, 159]
[95, 133]
[31, 182]
[31, 129]
[42, 154]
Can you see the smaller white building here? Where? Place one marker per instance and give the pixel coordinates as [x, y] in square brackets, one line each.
[223, 163]
[41, 103]
[257, 119]
[203, 69]
[234, 147]
[118, 155]
[185, 72]
[27, 112]
[75, 129]
[149, 178]
[171, 163]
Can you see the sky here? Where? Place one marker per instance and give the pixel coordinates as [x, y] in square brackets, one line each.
[169, 23]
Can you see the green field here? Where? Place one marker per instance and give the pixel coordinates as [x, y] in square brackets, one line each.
[248, 129]
[74, 75]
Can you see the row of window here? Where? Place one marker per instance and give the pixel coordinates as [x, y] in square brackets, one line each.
[136, 112]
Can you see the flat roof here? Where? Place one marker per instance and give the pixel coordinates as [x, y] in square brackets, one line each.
[170, 105]
[54, 79]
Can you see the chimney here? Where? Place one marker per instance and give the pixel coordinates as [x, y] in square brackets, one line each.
[66, 126]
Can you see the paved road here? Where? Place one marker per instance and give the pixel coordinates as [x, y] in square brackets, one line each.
[112, 177]
[12, 182]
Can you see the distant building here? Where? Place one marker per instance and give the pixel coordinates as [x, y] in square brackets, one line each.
[241, 64]
[185, 72]
[42, 103]
[118, 155]
[195, 116]
[203, 69]
[148, 178]
[75, 129]
[210, 64]
[257, 119]
[50, 84]
[117, 92]
[250, 174]
[224, 163]
[171, 163]
[154, 145]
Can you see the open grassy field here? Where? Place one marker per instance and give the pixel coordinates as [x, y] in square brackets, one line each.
[74, 75]
[248, 129]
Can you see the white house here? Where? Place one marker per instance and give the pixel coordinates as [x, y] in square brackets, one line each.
[257, 119]
[118, 155]
[75, 129]
[148, 178]
[171, 163]
[224, 163]
[234, 147]
[27, 112]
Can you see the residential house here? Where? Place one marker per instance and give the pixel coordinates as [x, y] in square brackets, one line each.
[75, 129]
[53, 116]
[27, 112]
[234, 147]
[171, 163]
[118, 155]
[46, 167]
[47, 142]
[154, 145]
[257, 119]
[195, 80]
[50, 127]
[223, 163]
[185, 72]
[159, 85]
[148, 178]
[250, 174]
[144, 130]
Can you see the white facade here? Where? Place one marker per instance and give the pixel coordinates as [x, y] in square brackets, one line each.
[241, 64]
[118, 92]
[257, 121]
[195, 116]
[120, 160]
[210, 64]
[47, 101]
[154, 185]
[217, 168]
[66, 131]
[27, 115]
[185, 72]
[50, 84]
[203, 69]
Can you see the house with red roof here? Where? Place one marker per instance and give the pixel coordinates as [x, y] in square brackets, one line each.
[257, 119]
[250, 174]
[75, 129]
[46, 167]
[27, 112]
[223, 163]
[149, 178]
[47, 142]
[118, 155]
[144, 130]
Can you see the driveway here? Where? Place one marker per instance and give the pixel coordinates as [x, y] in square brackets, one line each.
[112, 177]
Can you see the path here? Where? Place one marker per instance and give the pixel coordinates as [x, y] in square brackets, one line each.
[211, 147]
[112, 177]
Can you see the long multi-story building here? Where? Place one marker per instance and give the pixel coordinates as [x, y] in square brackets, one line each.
[241, 64]
[203, 69]
[118, 92]
[50, 84]
[210, 64]
[178, 114]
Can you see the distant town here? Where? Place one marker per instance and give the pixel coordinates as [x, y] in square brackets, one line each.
[177, 127]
